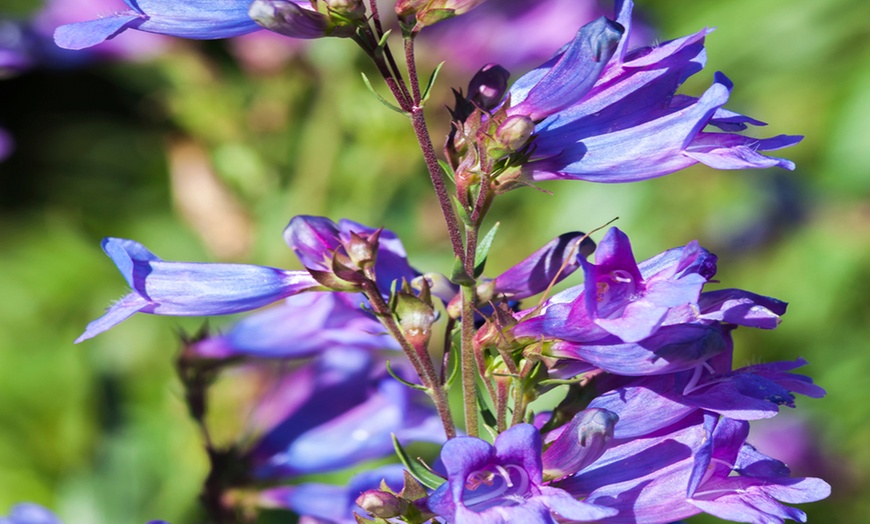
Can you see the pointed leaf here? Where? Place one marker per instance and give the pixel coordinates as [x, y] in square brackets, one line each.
[426, 477]
[483, 250]
[382, 100]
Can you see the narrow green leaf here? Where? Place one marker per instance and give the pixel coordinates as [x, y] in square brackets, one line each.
[383, 100]
[483, 250]
[403, 381]
[461, 211]
[431, 82]
[426, 477]
[448, 170]
[382, 43]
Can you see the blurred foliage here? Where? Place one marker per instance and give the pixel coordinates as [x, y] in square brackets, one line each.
[99, 432]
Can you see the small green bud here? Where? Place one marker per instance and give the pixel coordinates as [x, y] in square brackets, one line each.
[514, 132]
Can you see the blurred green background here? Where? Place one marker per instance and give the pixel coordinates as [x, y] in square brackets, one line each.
[201, 155]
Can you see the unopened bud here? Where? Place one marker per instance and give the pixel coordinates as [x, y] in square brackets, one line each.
[488, 86]
[363, 251]
[381, 504]
[581, 443]
[348, 9]
[415, 318]
[289, 18]
[514, 132]
[429, 12]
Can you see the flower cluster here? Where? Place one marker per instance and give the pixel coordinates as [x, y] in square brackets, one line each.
[653, 422]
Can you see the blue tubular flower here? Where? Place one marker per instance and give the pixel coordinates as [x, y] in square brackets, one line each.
[191, 289]
[341, 409]
[502, 484]
[330, 503]
[629, 125]
[303, 325]
[30, 513]
[197, 19]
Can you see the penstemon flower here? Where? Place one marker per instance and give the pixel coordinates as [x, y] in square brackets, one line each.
[653, 419]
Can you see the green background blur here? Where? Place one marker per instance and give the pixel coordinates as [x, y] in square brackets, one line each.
[201, 159]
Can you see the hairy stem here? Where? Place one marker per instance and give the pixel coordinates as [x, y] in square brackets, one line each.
[467, 362]
[419, 359]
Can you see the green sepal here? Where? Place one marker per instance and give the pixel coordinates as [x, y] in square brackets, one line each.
[483, 250]
[383, 100]
[429, 84]
[426, 477]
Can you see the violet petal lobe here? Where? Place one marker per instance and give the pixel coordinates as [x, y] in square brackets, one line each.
[575, 72]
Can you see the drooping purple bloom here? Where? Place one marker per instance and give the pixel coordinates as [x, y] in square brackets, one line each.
[303, 325]
[503, 483]
[689, 468]
[332, 503]
[760, 487]
[197, 19]
[630, 125]
[488, 34]
[750, 393]
[337, 411]
[191, 289]
[30, 513]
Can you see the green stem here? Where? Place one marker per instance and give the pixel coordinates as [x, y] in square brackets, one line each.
[467, 363]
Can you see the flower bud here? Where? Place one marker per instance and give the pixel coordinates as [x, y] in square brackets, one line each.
[429, 12]
[289, 18]
[514, 132]
[488, 86]
[351, 10]
[381, 504]
[415, 318]
[363, 251]
[582, 441]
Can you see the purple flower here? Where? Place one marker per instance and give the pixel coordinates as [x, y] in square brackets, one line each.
[60, 12]
[489, 32]
[319, 243]
[198, 19]
[191, 289]
[750, 393]
[689, 468]
[548, 265]
[623, 299]
[331, 503]
[339, 410]
[626, 123]
[303, 325]
[762, 483]
[30, 513]
[502, 483]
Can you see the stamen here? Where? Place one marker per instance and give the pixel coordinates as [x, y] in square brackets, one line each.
[621, 275]
[505, 475]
